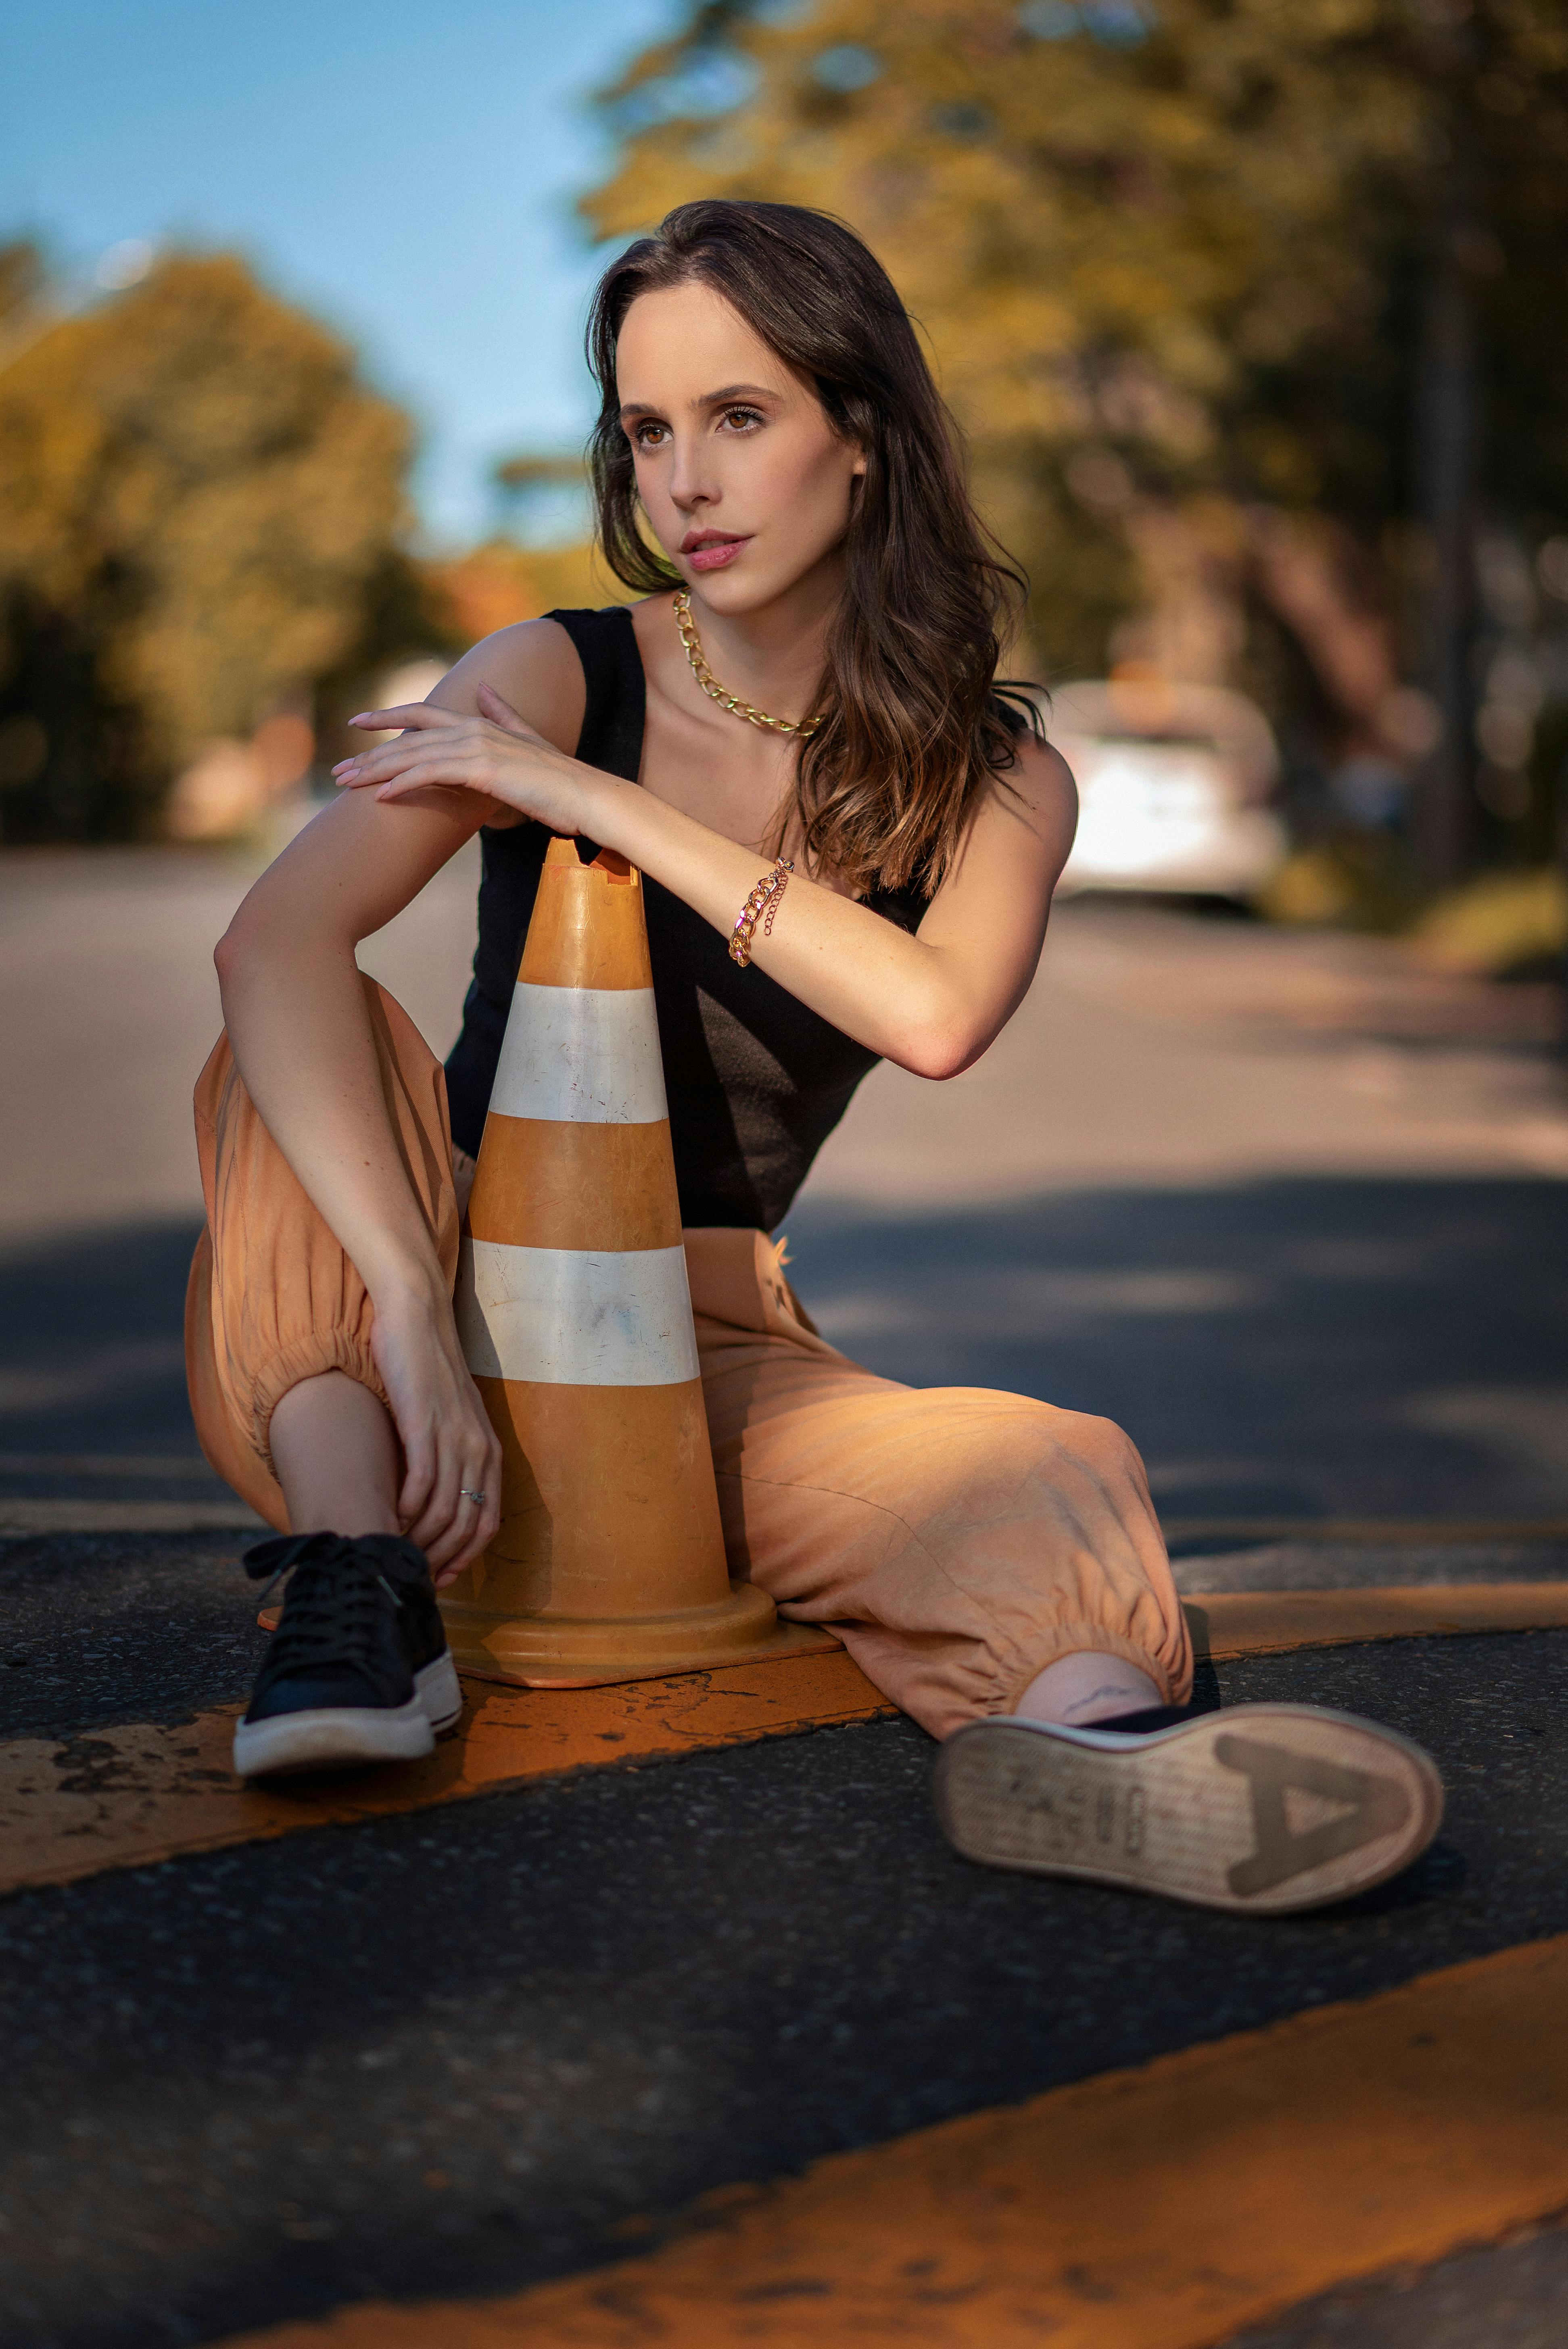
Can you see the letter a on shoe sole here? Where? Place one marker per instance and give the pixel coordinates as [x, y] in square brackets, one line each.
[1264, 1808]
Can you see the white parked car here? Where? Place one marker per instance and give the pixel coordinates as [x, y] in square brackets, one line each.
[1174, 785]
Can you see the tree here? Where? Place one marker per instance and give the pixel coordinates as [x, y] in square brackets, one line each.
[202, 516]
[496, 584]
[1215, 287]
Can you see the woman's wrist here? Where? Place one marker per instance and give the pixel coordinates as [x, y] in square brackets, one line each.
[606, 801]
[403, 1287]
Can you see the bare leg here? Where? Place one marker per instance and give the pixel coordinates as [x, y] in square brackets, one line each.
[337, 1458]
[358, 1669]
[1078, 1691]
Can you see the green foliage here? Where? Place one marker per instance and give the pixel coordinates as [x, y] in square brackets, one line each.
[21, 282]
[201, 512]
[1187, 236]
[1509, 924]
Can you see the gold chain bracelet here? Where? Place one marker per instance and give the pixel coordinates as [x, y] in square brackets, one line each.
[768, 892]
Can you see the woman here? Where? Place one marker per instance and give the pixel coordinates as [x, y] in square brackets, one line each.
[807, 697]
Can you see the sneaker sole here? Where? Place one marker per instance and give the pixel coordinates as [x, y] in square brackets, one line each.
[1263, 1809]
[352, 1736]
[438, 1690]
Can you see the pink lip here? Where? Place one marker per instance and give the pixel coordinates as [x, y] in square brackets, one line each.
[712, 553]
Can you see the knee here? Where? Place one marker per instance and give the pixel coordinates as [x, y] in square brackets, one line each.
[1108, 1446]
[1050, 1433]
[1075, 1453]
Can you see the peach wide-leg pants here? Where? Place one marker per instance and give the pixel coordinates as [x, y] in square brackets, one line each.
[958, 1540]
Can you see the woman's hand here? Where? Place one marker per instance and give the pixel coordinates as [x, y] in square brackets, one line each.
[497, 754]
[448, 1444]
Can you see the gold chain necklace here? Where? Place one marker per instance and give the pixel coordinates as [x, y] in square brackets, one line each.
[804, 727]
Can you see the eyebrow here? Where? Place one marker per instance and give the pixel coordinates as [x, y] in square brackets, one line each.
[708, 398]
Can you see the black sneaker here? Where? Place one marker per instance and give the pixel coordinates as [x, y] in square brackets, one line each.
[358, 1669]
[1262, 1808]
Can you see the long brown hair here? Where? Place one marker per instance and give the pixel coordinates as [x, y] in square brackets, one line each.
[911, 720]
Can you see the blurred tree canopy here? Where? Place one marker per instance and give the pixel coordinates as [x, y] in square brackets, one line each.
[201, 519]
[496, 584]
[1249, 308]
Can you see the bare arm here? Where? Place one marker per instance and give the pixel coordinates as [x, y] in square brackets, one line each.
[295, 1008]
[293, 1004]
[932, 1002]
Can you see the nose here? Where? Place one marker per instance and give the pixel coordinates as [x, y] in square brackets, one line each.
[691, 485]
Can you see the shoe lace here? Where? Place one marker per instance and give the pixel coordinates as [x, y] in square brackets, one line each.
[333, 1604]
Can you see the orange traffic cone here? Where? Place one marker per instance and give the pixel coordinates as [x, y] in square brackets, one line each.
[575, 1319]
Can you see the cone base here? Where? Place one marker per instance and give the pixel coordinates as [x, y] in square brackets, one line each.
[595, 1652]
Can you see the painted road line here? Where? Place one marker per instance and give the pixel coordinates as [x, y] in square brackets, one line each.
[1164, 2208]
[123, 1798]
[70, 1516]
[1374, 1531]
[1270, 1622]
[176, 1465]
[127, 1517]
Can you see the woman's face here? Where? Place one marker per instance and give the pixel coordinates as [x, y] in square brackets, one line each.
[746, 483]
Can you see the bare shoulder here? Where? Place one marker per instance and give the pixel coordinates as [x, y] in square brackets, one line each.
[1035, 794]
[533, 665]
[1043, 777]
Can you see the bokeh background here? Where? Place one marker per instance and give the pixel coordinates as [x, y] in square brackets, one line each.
[1251, 314]
[1251, 310]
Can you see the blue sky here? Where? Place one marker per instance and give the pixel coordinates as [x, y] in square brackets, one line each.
[407, 171]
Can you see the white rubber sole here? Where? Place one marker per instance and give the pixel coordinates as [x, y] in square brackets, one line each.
[1264, 1808]
[347, 1737]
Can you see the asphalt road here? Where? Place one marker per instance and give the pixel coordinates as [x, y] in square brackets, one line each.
[1284, 1346]
[455, 2053]
[1290, 1209]
[1288, 1206]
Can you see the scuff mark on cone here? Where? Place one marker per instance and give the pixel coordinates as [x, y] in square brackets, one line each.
[587, 1054]
[620, 1319]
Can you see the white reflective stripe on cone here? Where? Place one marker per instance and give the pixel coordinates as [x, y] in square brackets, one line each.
[611, 1317]
[580, 1055]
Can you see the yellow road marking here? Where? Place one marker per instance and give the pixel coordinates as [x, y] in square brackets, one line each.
[86, 1517]
[185, 1466]
[1164, 2208]
[127, 1517]
[1267, 1623]
[1420, 1532]
[123, 1798]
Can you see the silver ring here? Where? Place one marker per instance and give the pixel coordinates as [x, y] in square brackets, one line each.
[477, 1497]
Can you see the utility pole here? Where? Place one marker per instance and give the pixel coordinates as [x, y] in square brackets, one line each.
[1446, 420]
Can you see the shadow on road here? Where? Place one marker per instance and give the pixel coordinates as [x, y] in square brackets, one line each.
[91, 1349]
[1301, 1346]
[1304, 1346]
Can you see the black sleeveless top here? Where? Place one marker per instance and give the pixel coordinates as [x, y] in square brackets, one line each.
[755, 1080]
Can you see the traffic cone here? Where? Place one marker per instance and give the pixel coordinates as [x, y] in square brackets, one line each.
[575, 1319]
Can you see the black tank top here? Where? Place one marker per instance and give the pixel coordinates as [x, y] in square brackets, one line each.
[755, 1080]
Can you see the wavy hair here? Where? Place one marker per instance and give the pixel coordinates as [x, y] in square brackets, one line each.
[912, 721]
